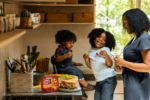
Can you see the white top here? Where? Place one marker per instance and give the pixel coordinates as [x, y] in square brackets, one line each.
[98, 64]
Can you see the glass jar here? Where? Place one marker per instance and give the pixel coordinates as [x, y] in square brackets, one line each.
[5, 24]
[17, 21]
[1, 25]
[9, 19]
[14, 21]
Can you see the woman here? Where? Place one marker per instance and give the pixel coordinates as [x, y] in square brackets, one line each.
[135, 66]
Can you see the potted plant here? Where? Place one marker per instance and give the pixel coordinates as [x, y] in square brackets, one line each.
[25, 18]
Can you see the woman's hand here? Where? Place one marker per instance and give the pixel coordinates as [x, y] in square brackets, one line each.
[103, 53]
[118, 68]
[119, 61]
[86, 56]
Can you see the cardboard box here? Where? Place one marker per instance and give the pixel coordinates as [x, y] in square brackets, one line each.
[83, 17]
[56, 18]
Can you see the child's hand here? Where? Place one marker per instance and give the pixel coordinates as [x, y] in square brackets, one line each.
[118, 68]
[69, 54]
[86, 56]
[103, 53]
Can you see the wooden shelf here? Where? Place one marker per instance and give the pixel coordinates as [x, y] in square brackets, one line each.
[6, 38]
[68, 23]
[25, 27]
[34, 4]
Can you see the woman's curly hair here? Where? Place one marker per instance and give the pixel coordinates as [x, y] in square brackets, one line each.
[65, 35]
[138, 21]
[110, 40]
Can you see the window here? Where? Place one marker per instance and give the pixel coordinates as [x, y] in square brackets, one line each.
[109, 16]
[145, 6]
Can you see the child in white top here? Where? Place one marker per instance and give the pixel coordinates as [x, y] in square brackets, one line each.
[99, 59]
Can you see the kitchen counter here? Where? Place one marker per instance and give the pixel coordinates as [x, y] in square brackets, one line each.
[38, 91]
[90, 77]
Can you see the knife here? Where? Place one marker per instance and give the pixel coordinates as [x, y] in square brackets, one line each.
[34, 50]
[28, 50]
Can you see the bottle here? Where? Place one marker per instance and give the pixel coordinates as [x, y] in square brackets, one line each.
[1, 25]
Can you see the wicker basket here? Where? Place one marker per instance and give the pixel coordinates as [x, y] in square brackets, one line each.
[42, 17]
[42, 65]
[56, 18]
[83, 17]
[25, 21]
[71, 1]
[21, 82]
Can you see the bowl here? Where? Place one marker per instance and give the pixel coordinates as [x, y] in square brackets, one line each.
[37, 75]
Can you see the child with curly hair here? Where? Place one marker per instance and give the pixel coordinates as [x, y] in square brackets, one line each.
[64, 54]
[99, 59]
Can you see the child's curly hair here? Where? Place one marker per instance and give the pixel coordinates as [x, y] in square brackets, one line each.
[65, 35]
[110, 40]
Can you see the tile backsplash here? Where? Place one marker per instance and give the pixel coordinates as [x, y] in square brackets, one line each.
[44, 38]
[14, 50]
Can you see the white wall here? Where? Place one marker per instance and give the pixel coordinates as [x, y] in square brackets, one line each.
[44, 38]
[14, 49]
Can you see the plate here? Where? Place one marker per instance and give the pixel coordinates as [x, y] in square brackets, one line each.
[74, 90]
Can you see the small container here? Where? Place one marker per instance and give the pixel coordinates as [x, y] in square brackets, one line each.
[17, 21]
[5, 24]
[49, 84]
[14, 21]
[21, 82]
[36, 18]
[10, 23]
[1, 25]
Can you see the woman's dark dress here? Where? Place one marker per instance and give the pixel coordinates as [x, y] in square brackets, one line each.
[136, 84]
[66, 66]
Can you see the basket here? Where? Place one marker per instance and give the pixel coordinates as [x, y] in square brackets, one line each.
[42, 65]
[83, 17]
[42, 17]
[25, 21]
[57, 18]
[71, 1]
[21, 82]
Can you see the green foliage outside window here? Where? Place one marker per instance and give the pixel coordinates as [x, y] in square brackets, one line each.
[109, 16]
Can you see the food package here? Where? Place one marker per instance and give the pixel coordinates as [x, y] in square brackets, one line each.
[49, 84]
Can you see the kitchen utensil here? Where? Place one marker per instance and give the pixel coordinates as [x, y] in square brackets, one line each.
[33, 66]
[22, 67]
[28, 50]
[34, 56]
[14, 66]
[9, 65]
[34, 50]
